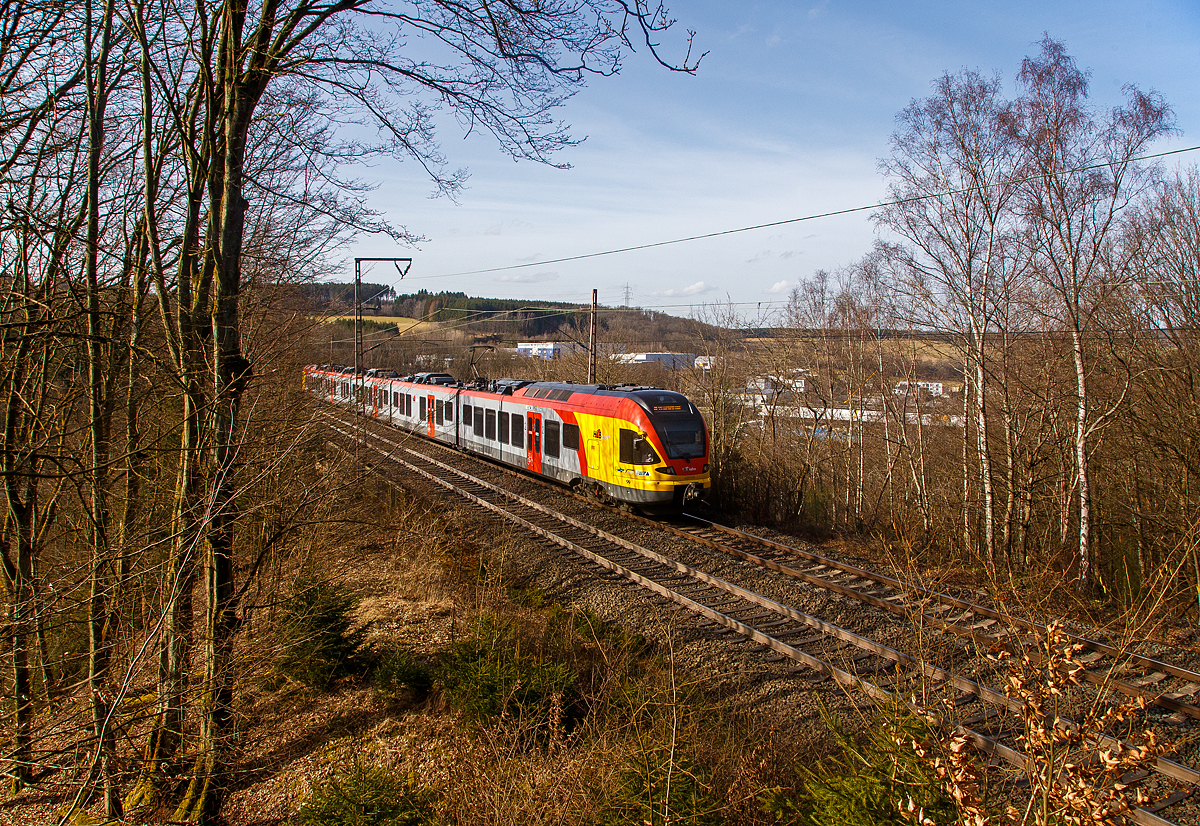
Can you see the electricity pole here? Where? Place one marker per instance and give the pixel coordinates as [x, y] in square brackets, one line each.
[592, 344]
[359, 365]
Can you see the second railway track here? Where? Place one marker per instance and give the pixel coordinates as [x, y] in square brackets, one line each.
[853, 659]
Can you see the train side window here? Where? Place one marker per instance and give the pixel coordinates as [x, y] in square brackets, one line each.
[421, 409]
[490, 427]
[478, 422]
[635, 450]
[570, 435]
[437, 409]
[550, 444]
[518, 430]
[466, 414]
[503, 428]
[449, 410]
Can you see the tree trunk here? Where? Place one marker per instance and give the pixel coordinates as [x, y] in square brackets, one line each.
[99, 651]
[968, 545]
[1084, 581]
[985, 459]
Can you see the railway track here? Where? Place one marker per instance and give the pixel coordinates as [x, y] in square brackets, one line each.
[851, 659]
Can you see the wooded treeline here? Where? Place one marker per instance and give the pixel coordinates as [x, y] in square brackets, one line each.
[168, 174]
[1058, 270]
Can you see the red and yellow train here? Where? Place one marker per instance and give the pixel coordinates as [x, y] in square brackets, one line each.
[642, 446]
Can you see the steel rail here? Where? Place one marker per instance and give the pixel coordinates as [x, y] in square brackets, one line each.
[982, 610]
[1165, 767]
[1104, 681]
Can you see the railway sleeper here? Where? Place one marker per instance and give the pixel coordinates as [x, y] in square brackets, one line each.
[767, 626]
[984, 715]
[1164, 766]
[1178, 796]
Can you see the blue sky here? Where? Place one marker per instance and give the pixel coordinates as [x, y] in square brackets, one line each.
[787, 116]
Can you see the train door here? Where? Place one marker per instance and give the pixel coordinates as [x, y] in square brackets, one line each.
[375, 401]
[429, 416]
[596, 468]
[533, 442]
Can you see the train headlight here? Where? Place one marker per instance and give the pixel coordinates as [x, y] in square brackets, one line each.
[706, 467]
[669, 471]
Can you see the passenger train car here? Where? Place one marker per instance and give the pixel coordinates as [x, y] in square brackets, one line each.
[642, 446]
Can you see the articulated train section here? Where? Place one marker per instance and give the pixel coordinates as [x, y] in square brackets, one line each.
[641, 446]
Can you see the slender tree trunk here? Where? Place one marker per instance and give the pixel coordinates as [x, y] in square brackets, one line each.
[1010, 459]
[968, 545]
[981, 446]
[19, 576]
[99, 630]
[1084, 582]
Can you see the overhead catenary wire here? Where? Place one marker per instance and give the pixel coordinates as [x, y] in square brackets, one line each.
[787, 221]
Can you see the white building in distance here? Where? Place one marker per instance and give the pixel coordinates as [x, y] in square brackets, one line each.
[671, 361]
[933, 388]
[545, 349]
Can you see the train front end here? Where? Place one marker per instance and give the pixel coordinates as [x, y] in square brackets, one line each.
[674, 450]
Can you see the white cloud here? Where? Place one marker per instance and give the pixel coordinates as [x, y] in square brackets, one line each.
[693, 289]
[779, 287]
[527, 277]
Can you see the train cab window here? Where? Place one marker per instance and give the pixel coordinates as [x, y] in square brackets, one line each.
[551, 441]
[466, 414]
[437, 412]
[478, 422]
[518, 430]
[503, 428]
[421, 409]
[489, 431]
[636, 450]
[570, 436]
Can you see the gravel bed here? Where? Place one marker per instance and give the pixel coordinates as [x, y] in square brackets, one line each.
[725, 663]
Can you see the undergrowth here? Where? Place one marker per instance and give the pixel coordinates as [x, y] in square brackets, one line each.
[368, 796]
[493, 674]
[318, 640]
[875, 781]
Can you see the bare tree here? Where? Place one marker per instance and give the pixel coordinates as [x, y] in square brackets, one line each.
[1082, 170]
[953, 169]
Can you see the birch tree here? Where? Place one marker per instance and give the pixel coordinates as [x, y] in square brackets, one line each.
[953, 175]
[1081, 169]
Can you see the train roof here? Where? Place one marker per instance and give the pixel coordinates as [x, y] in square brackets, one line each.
[653, 399]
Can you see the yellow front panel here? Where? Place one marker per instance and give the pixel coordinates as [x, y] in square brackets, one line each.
[600, 438]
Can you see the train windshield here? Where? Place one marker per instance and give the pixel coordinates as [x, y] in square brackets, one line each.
[678, 423]
[684, 439]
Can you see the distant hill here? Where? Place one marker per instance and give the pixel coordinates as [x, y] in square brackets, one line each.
[505, 321]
